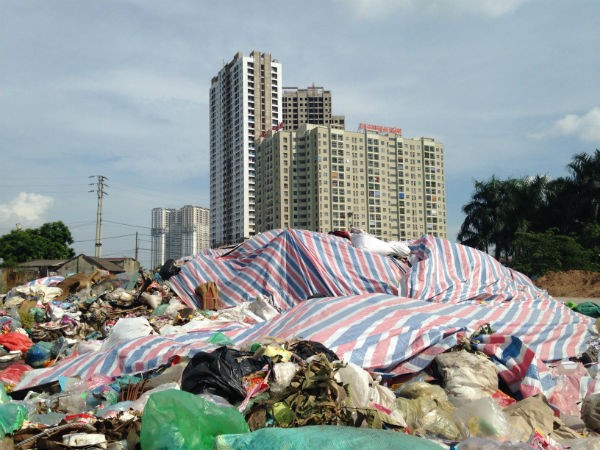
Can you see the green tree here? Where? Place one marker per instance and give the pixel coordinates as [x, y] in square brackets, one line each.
[50, 241]
[535, 254]
[585, 173]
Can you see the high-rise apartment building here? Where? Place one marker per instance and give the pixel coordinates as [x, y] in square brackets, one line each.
[245, 102]
[178, 232]
[322, 179]
[311, 105]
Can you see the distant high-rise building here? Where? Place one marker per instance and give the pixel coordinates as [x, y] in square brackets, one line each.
[245, 102]
[311, 105]
[178, 232]
[323, 179]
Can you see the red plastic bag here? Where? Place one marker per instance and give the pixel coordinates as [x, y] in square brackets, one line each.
[12, 374]
[15, 341]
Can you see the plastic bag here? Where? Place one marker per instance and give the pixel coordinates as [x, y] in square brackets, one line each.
[178, 420]
[363, 240]
[590, 412]
[221, 372]
[12, 374]
[322, 437]
[467, 376]
[590, 309]
[12, 416]
[126, 329]
[39, 354]
[169, 269]
[426, 409]
[483, 418]
[15, 341]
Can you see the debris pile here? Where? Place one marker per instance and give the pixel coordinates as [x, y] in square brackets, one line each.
[302, 339]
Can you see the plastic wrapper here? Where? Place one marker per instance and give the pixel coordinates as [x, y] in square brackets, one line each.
[179, 420]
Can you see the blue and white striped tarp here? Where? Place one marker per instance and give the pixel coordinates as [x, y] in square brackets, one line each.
[289, 266]
[450, 291]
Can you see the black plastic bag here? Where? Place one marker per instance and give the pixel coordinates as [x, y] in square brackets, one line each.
[306, 349]
[221, 372]
[168, 269]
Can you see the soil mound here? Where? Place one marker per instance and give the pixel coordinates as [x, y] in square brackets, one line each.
[572, 283]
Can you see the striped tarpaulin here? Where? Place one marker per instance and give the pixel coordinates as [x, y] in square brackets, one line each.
[379, 332]
[289, 266]
[455, 290]
[447, 272]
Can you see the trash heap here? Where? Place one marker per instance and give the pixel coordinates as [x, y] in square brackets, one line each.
[299, 340]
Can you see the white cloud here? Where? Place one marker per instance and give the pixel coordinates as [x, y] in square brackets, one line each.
[26, 208]
[586, 127]
[486, 8]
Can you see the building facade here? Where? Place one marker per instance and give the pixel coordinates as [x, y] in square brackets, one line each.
[322, 178]
[311, 105]
[178, 232]
[245, 103]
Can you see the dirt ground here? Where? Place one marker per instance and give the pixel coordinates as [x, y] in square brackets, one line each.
[572, 283]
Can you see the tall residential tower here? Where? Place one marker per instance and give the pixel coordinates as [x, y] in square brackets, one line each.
[245, 103]
[178, 232]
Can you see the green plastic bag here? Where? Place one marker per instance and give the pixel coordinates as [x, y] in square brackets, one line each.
[590, 309]
[177, 420]
[323, 437]
[12, 416]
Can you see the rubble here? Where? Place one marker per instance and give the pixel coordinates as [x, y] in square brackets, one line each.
[298, 337]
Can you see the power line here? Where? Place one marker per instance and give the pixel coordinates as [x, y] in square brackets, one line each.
[104, 238]
[128, 225]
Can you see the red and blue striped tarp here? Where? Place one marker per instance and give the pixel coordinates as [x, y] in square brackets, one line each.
[450, 273]
[289, 266]
[375, 329]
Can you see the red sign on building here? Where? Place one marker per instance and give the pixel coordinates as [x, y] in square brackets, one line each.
[379, 128]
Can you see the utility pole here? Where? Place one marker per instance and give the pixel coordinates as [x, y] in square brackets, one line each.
[137, 246]
[100, 179]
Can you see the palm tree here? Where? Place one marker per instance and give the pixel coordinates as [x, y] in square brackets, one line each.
[585, 173]
[483, 215]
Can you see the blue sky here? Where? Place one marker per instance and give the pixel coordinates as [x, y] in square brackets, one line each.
[120, 88]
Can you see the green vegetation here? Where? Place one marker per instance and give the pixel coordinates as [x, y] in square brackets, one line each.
[537, 224]
[50, 241]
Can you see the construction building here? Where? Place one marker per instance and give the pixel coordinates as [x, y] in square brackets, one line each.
[311, 105]
[322, 178]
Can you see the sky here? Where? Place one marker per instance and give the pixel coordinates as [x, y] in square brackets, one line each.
[119, 88]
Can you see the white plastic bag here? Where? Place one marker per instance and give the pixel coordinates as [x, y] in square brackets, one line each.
[363, 240]
[467, 376]
[127, 329]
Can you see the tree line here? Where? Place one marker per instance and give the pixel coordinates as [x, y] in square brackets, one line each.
[536, 224]
[50, 241]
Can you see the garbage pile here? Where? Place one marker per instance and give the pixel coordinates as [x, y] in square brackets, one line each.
[299, 340]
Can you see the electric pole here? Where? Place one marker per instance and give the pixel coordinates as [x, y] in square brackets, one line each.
[100, 179]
